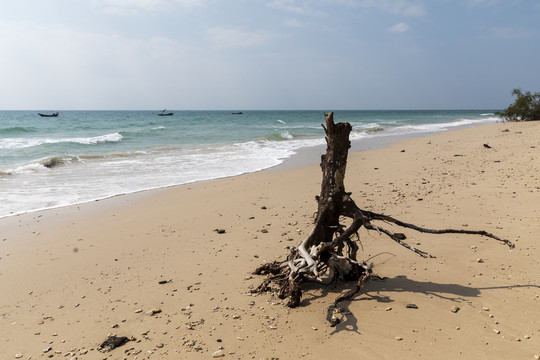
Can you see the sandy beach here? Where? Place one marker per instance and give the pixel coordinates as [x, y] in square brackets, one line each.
[71, 276]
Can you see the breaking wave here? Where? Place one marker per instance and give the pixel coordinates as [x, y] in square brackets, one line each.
[20, 143]
[115, 137]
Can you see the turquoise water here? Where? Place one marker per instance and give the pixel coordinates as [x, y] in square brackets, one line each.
[81, 156]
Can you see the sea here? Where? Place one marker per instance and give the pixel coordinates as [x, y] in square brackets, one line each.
[82, 156]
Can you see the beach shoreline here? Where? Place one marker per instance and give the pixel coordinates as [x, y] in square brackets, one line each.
[78, 273]
[301, 157]
[84, 156]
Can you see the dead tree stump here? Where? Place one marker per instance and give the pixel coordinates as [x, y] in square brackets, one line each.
[329, 247]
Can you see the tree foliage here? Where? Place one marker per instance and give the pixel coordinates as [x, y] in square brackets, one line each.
[526, 107]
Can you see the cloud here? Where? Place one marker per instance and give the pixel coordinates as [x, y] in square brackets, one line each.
[135, 7]
[222, 37]
[290, 6]
[399, 28]
[397, 7]
[84, 69]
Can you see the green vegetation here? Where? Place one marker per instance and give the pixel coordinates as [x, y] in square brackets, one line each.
[526, 107]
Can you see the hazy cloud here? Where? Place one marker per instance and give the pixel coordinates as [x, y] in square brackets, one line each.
[291, 6]
[399, 28]
[140, 6]
[398, 7]
[213, 53]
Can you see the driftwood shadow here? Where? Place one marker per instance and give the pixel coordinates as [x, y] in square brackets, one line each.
[401, 283]
[375, 289]
[378, 290]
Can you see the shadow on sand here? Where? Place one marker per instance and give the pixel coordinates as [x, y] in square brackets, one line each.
[377, 290]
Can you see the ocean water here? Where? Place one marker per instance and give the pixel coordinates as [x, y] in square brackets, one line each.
[82, 156]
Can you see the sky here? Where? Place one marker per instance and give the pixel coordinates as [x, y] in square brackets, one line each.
[267, 54]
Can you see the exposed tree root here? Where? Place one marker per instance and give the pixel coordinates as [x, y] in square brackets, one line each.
[330, 248]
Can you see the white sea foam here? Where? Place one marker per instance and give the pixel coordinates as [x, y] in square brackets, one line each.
[27, 169]
[115, 137]
[100, 177]
[434, 127]
[367, 126]
[286, 135]
[21, 143]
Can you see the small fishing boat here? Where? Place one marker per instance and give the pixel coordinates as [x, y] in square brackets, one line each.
[54, 114]
[237, 113]
[165, 113]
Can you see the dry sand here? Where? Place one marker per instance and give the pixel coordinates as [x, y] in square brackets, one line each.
[73, 275]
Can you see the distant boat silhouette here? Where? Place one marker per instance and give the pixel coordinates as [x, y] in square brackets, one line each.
[237, 113]
[55, 114]
[164, 113]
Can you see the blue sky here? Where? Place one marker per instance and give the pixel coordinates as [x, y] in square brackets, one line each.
[267, 54]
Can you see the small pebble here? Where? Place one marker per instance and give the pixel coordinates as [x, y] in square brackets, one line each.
[399, 338]
[454, 309]
[218, 353]
[18, 356]
[153, 311]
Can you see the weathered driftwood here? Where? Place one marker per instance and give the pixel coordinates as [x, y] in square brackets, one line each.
[329, 247]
